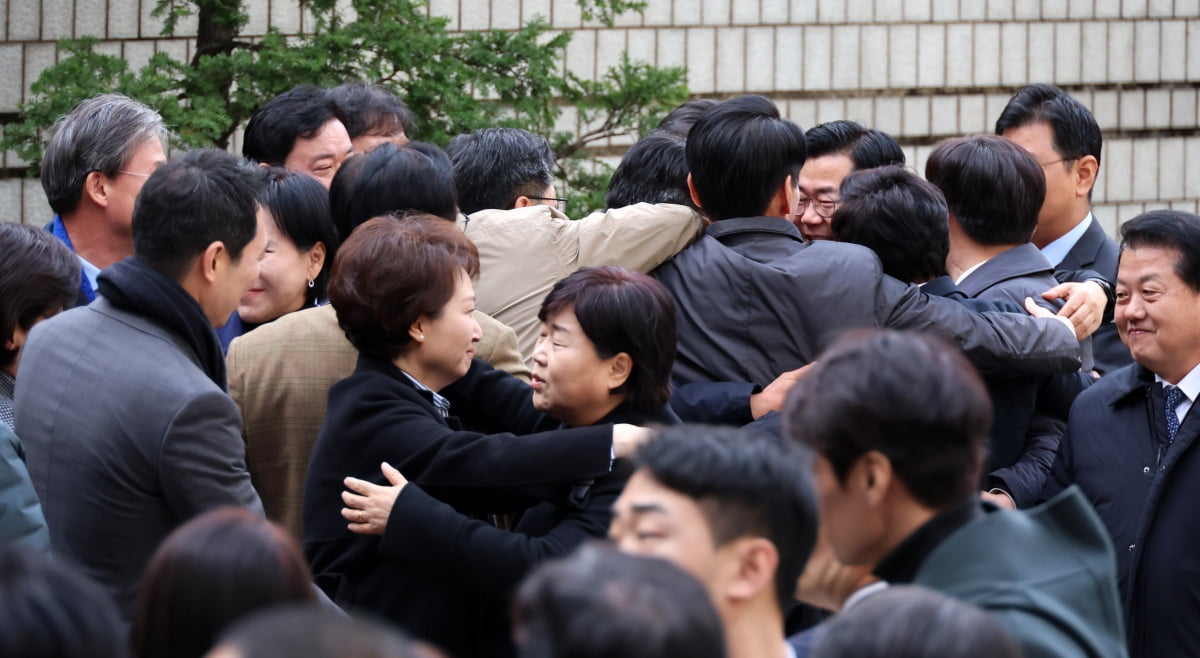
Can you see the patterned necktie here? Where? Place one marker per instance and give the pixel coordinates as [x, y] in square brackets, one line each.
[1173, 397]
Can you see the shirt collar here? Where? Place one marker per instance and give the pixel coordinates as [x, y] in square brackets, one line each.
[968, 272]
[901, 564]
[442, 404]
[1190, 384]
[1056, 251]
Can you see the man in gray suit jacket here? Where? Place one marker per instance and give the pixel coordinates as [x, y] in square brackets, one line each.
[122, 404]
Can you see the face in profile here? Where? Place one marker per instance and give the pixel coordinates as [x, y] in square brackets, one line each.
[123, 188]
[1156, 312]
[236, 277]
[570, 381]
[283, 276]
[321, 155]
[446, 342]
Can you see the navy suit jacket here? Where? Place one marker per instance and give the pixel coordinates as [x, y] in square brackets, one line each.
[1096, 251]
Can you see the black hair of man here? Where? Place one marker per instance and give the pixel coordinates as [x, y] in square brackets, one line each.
[680, 120]
[993, 187]
[654, 170]
[1168, 229]
[372, 110]
[390, 180]
[315, 632]
[747, 484]
[495, 166]
[865, 147]
[599, 602]
[48, 610]
[1076, 132]
[899, 216]
[274, 128]
[200, 197]
[739, 153]
[908, 396]
[907, 620]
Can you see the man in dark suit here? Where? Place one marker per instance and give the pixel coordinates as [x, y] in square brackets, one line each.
[1131, 441]
[898, 422]
[122, 405]
[1063, 136]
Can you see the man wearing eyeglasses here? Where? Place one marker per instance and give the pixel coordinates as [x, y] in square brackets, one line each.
[834, 150]
[92, 171]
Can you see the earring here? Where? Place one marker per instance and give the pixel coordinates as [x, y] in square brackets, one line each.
[311, 283]
[420, 336]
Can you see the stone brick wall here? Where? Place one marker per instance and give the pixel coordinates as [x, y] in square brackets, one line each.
[919, 69]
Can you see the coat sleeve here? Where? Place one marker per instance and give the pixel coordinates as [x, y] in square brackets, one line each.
[499, 347]
[639, 237]
[1002, 344]
[21, 518]
[1025, 479]
[714, 403]
[423, 530]
[202, 460]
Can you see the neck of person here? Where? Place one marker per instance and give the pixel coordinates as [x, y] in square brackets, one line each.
[754, 629]
[1049, 230]
[410, 363]
[966, 253]
[95, 239]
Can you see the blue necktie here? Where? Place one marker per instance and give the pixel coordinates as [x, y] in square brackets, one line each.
[1173, 397]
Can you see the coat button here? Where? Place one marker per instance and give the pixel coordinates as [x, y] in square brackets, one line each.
[1146, 469]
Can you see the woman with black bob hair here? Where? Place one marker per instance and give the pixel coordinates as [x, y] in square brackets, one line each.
[402, 291]
[301, 243]
[208, 574]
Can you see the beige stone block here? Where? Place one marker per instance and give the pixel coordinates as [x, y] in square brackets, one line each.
[1158, 108]
[38, 57]
[1145, 169]
[1068, 48]
[890, 11]
[672, 47]
[24, 20]
[687, 12]
[731, 59]
[1014, 69]
[57, 16]
[801, 53]
[902, 58]
[1134, 9]
[12, 59]
[960, 41]
[10, 200]
[610, 44]
[874, 58]
[715, 12]
[150, 26]
[506, 14]
[1187, 8]
[641, 45]
[1118, 165]
[860, 11]
[1055, 9]
[1106, 107]
[657, 13]
[931, 55]
[475, 15]
[760, 59]
[36, 210]
[916, 116]
[918, 11]
[1081, 9]
[701, 48]
[987, 55]
[1172, 67]
[1191, 159]
[1170, 168]
[1193, 50]
[138, 53]
[1120, 51]
[861, 110]
[943, 116]
[889, 117]
[945, 10]
[992, 10]
[1133, 109]
[802, 13]
[845, 57]
[1040, 46]
[746, 12]
[1160, 8]
[831, 11]
[566, 14]
[581, 53]
[830, 109]
[803, 112]
[1094, 44]
[1146, 51]
[259, 18]
[1107, 8]
[1183, 108]
[972, 115]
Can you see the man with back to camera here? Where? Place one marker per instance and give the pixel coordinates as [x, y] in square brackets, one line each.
[122, 405]
[97, 160]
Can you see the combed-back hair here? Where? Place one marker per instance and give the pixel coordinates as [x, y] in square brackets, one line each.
[908, 396]
[623, 311]
[739, 153]
[372, 110]
[200, 197]
[866, 147]
[274, 128]
[1076, 132]
[654, 170]
[299, 208]
[100, 134]
[601, 603]
[900, 217]
[38, 276]
[993, 187]
[1168, 229]
[681, 119]
[495, 166]
[393, 270]
[416, 177]
[747, 484]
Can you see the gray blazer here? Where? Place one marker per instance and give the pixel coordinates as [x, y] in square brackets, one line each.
[126, 438]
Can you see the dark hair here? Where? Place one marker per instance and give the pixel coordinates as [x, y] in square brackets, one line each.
[623, 311]
[371, 110]
[210, 572]
[908, 620]
[746, 484]
[494, 166]
[681, 119]
[654, 170]
[299, 207]
[1076, 132]
[1168, 229]
[393, 179]
[100, 134]
[908, 396]
[201, 197]
[47, 610]
[601, 603]
[38, 275]
[274, 128]
[390, 272]
[866, 148]
[900, 217]
[739, 153]
[293, 631]
[993, 187]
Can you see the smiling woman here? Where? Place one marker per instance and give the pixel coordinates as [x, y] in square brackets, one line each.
[403, 295]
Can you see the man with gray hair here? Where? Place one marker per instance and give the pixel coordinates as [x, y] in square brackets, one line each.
[92, 170]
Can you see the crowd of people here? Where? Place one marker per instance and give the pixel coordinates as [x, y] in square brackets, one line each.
[352, 395]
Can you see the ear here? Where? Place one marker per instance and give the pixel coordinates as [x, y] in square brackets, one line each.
[872, 474]
[316, 260]
[756, 562]
[523, 201]
[212, 260]
[619, 368]
[417, 329]
[1086, 170]
[95, 186]
[784, 200]
[692, 191]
